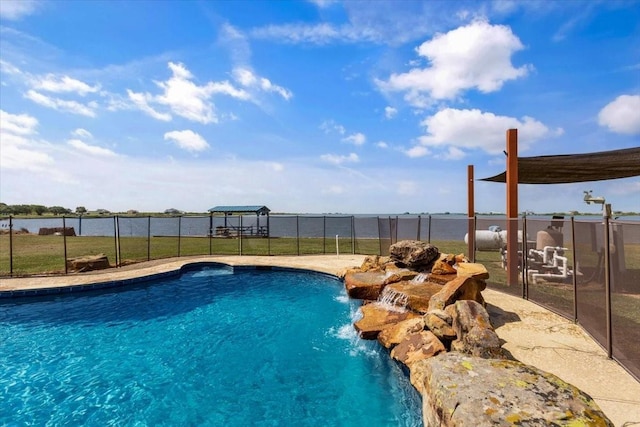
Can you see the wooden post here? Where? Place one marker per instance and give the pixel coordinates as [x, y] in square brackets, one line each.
[512, 207]
[471, 215]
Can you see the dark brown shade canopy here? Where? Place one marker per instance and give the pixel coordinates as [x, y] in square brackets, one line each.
[567, 168]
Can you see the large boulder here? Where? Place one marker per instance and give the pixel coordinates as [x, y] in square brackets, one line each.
[475, 335]
[392, 335]
[459, 390]
[460, 288]
[417, 346]
[375, 318]
[395, 274]
[371, 263]
[415, 254]
[440, 323]
[444, 264]
[473, 269]
[442, 279]
[365, 285]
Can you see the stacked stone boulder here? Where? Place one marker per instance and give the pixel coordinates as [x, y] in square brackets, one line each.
[443, 335]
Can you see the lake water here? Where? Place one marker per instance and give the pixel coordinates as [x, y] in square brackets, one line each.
[421, 227]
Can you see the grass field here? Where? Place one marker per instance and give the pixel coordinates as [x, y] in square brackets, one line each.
[33, 254]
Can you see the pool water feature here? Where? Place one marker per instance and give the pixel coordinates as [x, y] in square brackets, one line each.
[215, 346]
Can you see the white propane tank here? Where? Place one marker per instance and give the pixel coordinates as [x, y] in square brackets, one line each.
[549, 237]
[487, 240]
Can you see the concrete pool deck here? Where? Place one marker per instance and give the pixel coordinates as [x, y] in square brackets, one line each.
[532, 334]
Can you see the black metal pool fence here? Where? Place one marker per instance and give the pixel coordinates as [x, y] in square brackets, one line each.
[587, 269]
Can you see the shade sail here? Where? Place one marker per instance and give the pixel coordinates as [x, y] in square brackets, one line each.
[567, 168]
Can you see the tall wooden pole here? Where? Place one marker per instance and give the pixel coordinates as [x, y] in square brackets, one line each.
[512, 207]
[471, 216]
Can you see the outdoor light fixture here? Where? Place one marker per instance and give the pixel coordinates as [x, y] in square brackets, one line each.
[588, 198]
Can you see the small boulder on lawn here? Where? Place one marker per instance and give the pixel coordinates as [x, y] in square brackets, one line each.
[88, 263]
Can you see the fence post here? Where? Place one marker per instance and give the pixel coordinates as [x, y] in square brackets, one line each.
[471, 214]
[64, 243]
[607, 276]
[353, 235]
[179, 233]
[240, 236]
[210, 232]
[574, 277]
[525, 284]
[149, 238]
[298, 233]
[115, 240]
[419, 226]
[324, 234]
[429, 233]
[512, 207]
[10, 245]
[379, 238]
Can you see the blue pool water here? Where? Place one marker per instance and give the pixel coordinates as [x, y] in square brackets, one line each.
[212, 347]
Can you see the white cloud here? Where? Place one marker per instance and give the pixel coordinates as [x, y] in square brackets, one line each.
[622, 115]
[417, 151]
[16, 9]
[390, 112]
[322, 4]
[141, 100]
[453, 153]
[187, 139]
[476, 56]
[337, 159]
[386, 23]
[185, 98]
[54, 84]
[236, 43]
[15, 156]
[474, 129]
[329, 126]
[357, 138]
[316, 33]
[82, 133]
[18, 124]
[62, 104]
[17, 150]
[9, 68]
[247, 78]
[382, 144]
[90, 149]
[63, 84]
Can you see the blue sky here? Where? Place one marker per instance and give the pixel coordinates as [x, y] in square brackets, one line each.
[310, 106]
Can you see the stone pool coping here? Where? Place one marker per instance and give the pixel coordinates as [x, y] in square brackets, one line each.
[532, 334]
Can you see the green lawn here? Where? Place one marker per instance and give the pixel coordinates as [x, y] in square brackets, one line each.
[34, 254]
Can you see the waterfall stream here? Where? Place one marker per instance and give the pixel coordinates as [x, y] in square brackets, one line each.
[421, 278]
[392, 300]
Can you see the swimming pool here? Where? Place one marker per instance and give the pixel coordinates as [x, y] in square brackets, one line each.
[215, 346]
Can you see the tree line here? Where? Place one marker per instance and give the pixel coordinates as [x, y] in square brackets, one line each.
[6, 209]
